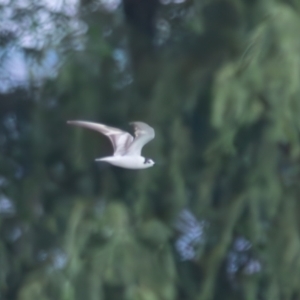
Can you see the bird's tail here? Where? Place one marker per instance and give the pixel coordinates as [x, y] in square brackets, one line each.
[99, 159]
[103, 159]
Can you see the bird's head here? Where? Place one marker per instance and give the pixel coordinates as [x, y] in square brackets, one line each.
[149, 162]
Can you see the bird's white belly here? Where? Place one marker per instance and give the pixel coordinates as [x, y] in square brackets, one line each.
[128, 162]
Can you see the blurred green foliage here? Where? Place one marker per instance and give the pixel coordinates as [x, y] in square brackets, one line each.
[217, 217]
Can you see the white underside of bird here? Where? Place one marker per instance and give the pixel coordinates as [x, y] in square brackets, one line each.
[127, 149]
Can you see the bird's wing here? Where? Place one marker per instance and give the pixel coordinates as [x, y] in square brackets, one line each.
[120, 139]
[143, 134]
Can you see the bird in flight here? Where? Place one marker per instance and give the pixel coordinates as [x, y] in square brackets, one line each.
[127, 149]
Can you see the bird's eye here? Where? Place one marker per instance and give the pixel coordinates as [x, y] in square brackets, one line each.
[147, 161]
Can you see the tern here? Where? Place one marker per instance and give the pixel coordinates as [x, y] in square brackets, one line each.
[127, 149]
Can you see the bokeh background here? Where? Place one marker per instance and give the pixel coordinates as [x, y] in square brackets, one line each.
[217, 217]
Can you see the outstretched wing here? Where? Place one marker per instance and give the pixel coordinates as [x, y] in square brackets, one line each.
[120, 139]
[143, 134]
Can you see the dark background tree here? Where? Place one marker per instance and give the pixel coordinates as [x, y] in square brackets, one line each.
[217, 217]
